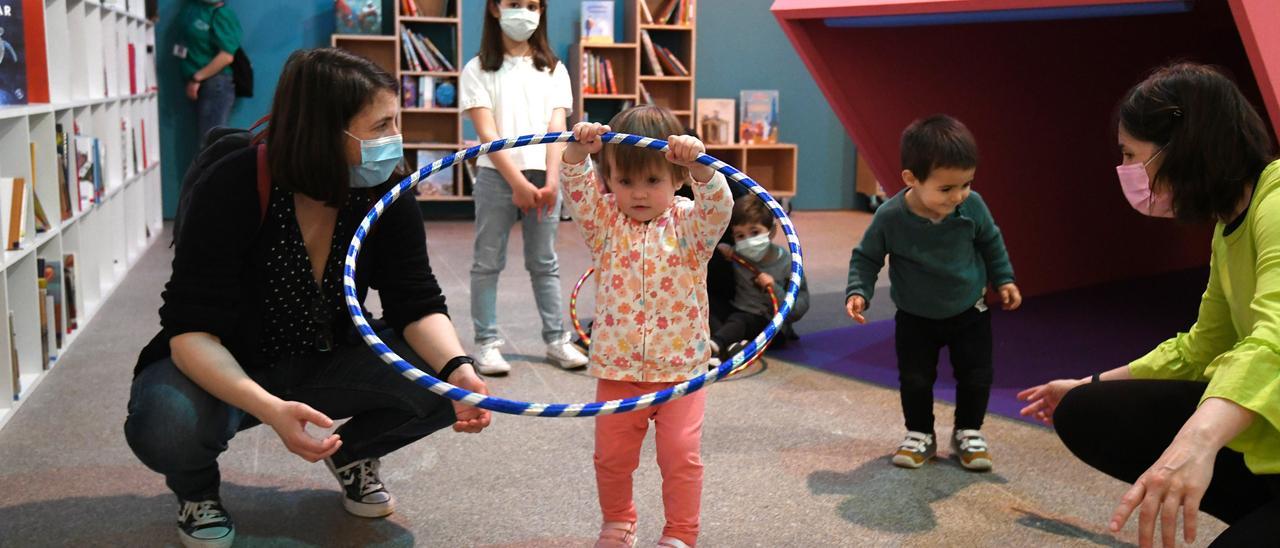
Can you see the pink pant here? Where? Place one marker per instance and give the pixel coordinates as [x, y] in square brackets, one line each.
[678, 427]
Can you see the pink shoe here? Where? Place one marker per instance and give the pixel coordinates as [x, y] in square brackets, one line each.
[617, 534]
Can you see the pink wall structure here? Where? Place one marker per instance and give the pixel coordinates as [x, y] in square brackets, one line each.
[1040, 97]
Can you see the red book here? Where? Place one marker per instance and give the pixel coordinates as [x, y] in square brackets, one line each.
[37, 56]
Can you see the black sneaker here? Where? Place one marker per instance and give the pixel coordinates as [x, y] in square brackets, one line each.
[205, 524]
[363, 493]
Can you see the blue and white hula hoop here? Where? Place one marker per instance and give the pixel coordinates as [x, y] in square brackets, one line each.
[564, 409]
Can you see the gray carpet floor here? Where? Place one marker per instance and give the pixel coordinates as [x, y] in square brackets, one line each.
[794, 456]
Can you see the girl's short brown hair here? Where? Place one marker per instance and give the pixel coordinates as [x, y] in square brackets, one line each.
[646, 121]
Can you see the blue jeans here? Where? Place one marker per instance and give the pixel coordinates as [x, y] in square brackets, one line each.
[177, 429]
[213, 104]
[495, 214]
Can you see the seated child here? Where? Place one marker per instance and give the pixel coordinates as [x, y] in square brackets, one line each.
[753, 228]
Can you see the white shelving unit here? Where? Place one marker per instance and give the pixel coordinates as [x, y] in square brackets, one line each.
[87, 43]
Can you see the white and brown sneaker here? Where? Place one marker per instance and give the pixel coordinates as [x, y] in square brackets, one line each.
[971, 449]
[916, 449]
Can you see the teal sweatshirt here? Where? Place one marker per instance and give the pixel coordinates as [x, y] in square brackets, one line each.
[936, 270]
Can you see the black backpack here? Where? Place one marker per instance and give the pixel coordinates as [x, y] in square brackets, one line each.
[219, 143]
[241, 70]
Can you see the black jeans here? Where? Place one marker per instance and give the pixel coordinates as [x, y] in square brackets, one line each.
[1122, 428]
[737, 326]
[918, 340]
[179, 430]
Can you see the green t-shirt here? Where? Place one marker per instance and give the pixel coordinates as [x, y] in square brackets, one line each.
[206, 30]
[1235, 342]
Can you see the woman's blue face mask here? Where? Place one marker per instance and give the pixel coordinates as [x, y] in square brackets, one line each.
[378, 158]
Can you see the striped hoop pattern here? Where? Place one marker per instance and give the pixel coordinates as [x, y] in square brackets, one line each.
[515, 407]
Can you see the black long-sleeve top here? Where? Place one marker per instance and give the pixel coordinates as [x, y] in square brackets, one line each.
[239, 275]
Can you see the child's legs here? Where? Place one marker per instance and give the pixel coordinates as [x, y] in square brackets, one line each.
[738, 326]
[618, 441]
[495, 214]
[917, 344]
[970, 346]
[541, 262]
[678, 435]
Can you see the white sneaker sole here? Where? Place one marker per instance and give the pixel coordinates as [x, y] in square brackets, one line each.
[364, 510]
[566, 365]
[907, 462]
[490, 369]
[192, 542]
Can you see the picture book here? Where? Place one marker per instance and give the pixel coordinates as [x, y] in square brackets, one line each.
[758, 117]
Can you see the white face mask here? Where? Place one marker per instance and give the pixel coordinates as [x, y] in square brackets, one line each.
[753, 248]
[519, 23]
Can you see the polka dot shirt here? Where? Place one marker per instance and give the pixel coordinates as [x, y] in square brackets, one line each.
[301, 318]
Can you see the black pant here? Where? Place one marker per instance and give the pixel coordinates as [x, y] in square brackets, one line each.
[179, 430]
[737, 326]
[1122, 428]
[918, 340]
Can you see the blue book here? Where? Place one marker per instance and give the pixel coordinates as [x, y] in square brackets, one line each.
[13, 55]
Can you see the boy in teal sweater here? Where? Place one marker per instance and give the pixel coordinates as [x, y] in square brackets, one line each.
[945, 250]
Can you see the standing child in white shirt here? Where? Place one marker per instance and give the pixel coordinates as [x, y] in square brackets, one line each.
[516, 86]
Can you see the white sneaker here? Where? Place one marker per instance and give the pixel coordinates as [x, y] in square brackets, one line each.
[489, 360]
[563, 354]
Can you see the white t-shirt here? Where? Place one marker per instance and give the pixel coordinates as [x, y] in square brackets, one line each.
[521, 98]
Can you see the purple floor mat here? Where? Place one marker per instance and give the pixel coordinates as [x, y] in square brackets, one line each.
[1068, 334]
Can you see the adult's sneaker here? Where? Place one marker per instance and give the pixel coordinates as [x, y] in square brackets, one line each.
[205, 524]
[489, 360]
[362, 491]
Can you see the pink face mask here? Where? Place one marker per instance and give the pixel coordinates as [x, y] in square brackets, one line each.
[1137, 189]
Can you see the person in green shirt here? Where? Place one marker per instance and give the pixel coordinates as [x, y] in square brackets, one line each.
[1193, 424]
[210, 37]
[945, 250]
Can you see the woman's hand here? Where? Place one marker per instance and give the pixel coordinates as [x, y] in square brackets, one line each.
[471, 419]
[854, 306]
[547, 196]
[1042, 400]
[683, 150]
[193, 90]
[1175, 483]
[289, 419]
[1010, 297]
[586, 141]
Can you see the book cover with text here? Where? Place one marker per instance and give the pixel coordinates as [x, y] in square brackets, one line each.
[758, 116]
[716, 121]
[597, 22]
[13, 57]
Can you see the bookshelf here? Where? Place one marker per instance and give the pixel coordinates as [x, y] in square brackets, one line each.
[94, 87]
[432, 129]
[637, 81]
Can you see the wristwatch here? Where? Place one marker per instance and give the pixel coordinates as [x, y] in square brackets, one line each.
[452, 365]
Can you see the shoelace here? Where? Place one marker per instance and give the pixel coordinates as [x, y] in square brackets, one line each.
[369, 481]
[205, 512]
[915, 442]
[971, 440]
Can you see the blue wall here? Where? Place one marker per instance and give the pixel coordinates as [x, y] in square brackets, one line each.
[275, 29]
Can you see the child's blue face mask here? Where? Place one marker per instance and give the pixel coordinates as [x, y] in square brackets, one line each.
[378, 158]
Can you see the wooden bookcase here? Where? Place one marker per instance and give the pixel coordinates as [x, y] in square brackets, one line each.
[771, 165]
[89, 88]
[433, 128]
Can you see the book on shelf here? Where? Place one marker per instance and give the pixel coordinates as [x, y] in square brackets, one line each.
[15, 195]
[53, 277]
[142, 132]
[358, 16]
[88, 155]
[645, 98]
[126, 146]
[42, 291]
[758, 116]
[410, 59]
[650, 55]
[670, 62]
[597, 22]
[13, 359]
[408, 8]
[42, 220]
[646, 15]
[64, 191]
[716, 121]
[408, 91]
[440, 57]
[426, 91]
[425, 8]
[69, 288]
[13, 53]
[439, 183]
[36, 55]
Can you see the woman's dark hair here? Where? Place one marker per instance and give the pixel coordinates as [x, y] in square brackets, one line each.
[319, 92]
[1213, 143]
[492, 52]
[938, 141]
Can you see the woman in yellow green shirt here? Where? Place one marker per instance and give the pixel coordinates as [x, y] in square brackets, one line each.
[1195, 423]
